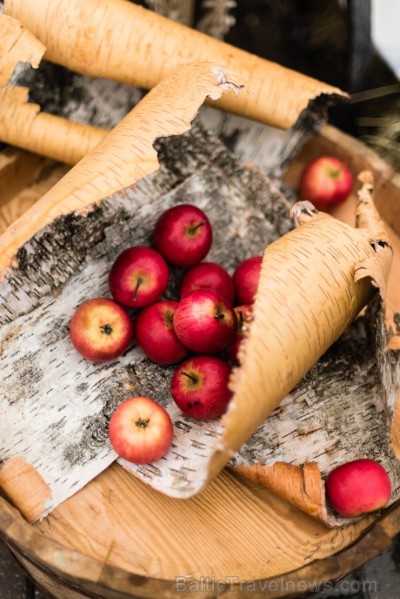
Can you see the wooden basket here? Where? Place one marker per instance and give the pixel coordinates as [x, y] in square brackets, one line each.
[119, 538]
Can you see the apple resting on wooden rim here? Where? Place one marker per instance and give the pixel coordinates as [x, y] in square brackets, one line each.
[358, 487]
[140, 430]
[100, 330]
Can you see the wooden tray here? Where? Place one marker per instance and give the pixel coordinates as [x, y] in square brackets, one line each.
[119, 538]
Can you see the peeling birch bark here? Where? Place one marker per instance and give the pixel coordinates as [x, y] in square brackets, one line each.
[126, 155]
[121, 41]
[23, 125]
[17, 43]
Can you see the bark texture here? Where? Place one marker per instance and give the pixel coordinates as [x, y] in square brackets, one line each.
[68, 262]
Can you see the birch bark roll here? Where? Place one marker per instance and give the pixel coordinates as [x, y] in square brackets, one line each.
[122, 41]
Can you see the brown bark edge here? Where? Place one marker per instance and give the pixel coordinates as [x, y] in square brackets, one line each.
[299, 485]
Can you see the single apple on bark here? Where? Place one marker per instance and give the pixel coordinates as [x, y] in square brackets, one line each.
[100, 330]
[155, 333]
[244, 315]
[140, 430]
[138, 277]
[245, 279]
[208, 275]
[325, 182]
[358, 487]
[183, 235]
[199, 387]
[204, 321]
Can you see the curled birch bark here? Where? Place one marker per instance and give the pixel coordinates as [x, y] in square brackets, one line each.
[23, 125]
[310, 283]
[343, 394]
[17, 43]
[122, 41]
[166, 110]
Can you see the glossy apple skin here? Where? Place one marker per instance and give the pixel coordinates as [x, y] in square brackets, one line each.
[208, 275]
[101, 330]
[204, 321]
[358, 487]
[140, 430]
[155, 333]
[207, 396]
[138, 277]
[326, 182]
[245, 279]
[183, 235]
[244, 315]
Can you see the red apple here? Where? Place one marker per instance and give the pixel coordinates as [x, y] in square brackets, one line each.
[138, 277]
[204, 321]
[140, 430]
[100, 330]
[199, 387]
[326, 182]
[183, 235]
[245, 279]
[208, 275]
[358, 487]
[244, 315]
[156, 336]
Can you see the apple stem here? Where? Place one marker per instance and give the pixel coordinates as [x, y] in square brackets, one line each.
[190, 376]
[139, 282]
[219, 315]
[240, 323]
[106, 329]
[193, 229]
[142, 423]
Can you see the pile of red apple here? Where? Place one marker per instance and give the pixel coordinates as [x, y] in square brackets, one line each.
[202, 331]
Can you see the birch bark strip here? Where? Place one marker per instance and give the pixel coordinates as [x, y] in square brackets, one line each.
[126, 154]
[17, 43]
[122, 41]
[24, 126]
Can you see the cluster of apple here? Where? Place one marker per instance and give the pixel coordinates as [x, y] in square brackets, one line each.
[204, 322]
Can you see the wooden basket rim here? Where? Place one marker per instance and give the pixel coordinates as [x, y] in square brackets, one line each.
[70, 564]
